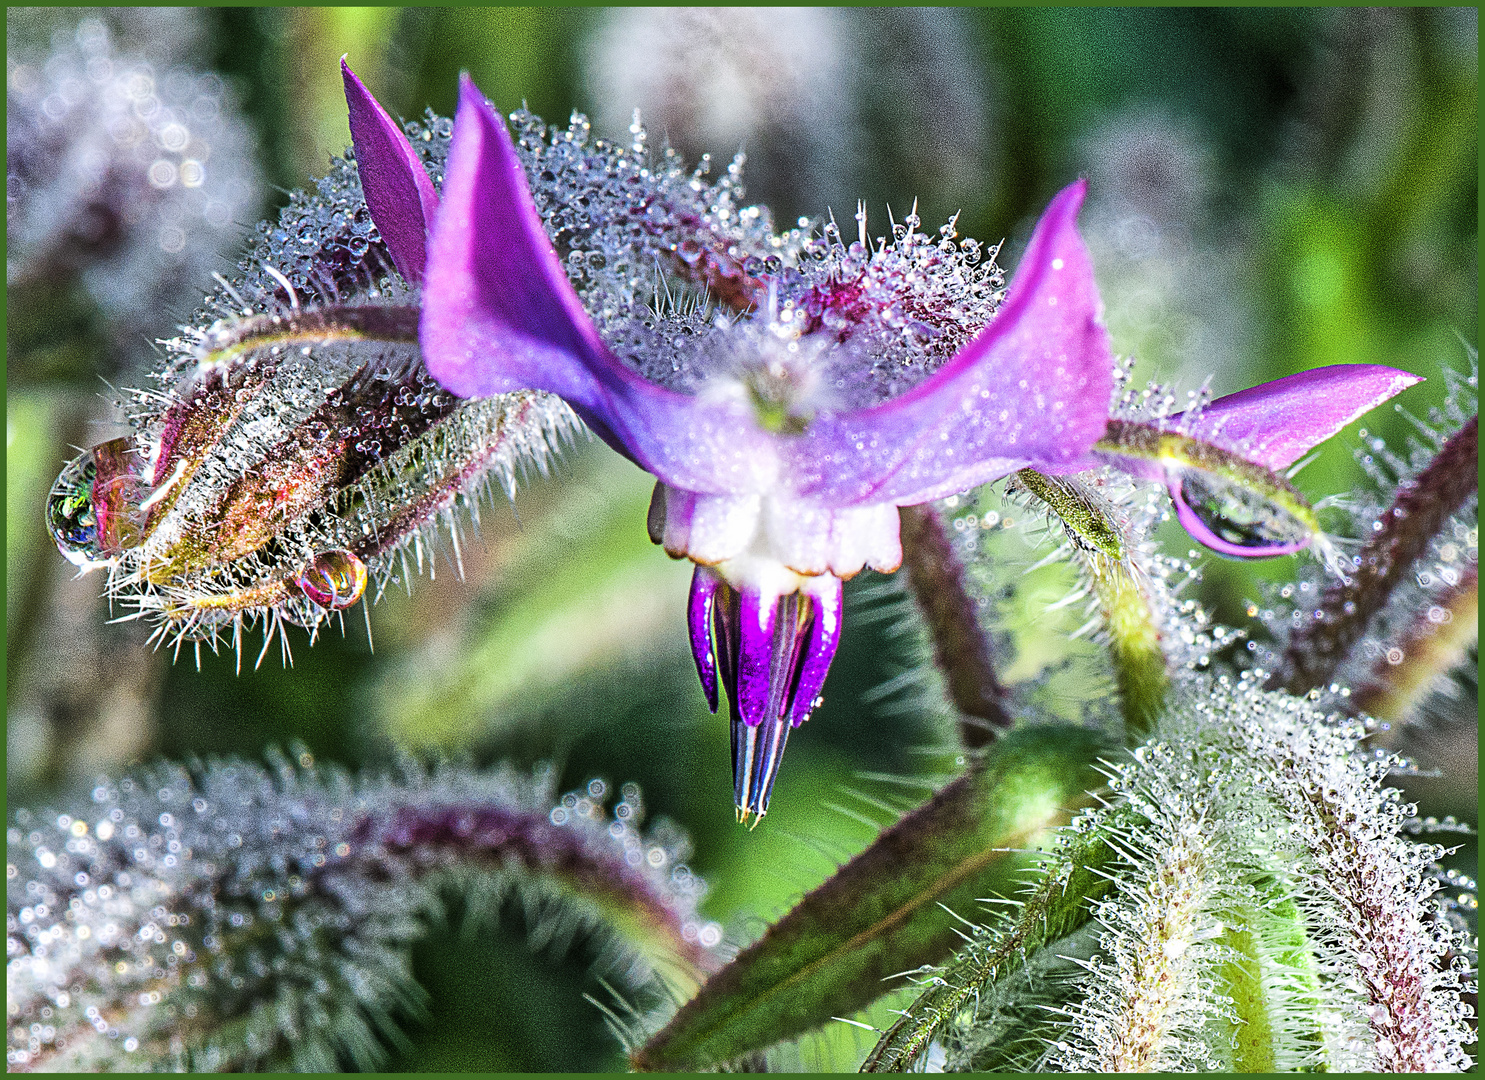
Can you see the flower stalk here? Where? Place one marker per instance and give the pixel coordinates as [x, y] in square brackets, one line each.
[237, 918]
[961, 648]
[1123, 594]
[1436, 642]
[1418, 511]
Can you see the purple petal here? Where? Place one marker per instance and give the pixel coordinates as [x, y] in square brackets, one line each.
[500, 315]
[819, 650]
[1033, 388]
[757, 617]
[399, 193]
[704, 582]
[494, 263]
[1276, 423]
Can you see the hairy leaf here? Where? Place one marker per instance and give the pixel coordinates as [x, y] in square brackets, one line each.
[884, 912]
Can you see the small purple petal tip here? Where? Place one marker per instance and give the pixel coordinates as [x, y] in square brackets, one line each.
[819, 650]
[757, 750]
[399, 193]
[1250, 546]
[1278, 422]
[704, 584]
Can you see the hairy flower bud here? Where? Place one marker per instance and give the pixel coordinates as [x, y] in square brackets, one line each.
[298, 449]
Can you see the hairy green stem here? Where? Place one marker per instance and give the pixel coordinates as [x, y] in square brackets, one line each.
[1418, 512]
[1060, 905]
[235, 917]
[1269, 938]
[1140, 669]
[1253, 1033]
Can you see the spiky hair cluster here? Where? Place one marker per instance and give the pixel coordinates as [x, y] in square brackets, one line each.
[230, 916]
[1294, 827]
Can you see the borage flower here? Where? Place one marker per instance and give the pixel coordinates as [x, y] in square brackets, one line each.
[785, 434]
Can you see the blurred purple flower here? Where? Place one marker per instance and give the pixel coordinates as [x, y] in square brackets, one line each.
[781, 469]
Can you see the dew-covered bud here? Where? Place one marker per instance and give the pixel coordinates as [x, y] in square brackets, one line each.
[296, 446]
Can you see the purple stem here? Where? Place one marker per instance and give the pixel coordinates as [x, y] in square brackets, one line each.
[511, 838]
[1418, 512]
[960, 646]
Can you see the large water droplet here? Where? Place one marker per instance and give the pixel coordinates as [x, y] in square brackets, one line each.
[334, 579]
[69, 511]
[1235, 520]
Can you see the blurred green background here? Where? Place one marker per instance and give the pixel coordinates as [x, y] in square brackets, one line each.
[1272, 190]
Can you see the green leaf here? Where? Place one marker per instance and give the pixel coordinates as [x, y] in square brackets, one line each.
[1061, 903]
[883, 913]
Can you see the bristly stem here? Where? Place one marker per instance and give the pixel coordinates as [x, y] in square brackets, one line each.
[960, 645]
[1434, 642]
[1141, 671]
[1060, 905]
[507, 839]
[1384, 922]
[1418, 512]
[293, 900]
[1268, 932]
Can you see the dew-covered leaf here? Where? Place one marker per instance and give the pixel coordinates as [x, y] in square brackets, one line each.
[883, 913]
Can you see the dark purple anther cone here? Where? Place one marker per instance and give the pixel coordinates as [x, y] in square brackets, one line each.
[699, 622]
[772, 653]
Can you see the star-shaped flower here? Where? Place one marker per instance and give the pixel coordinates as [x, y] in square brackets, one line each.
[785, 434]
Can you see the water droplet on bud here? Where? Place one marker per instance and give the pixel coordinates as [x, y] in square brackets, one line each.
[334, 579]
[69, 511]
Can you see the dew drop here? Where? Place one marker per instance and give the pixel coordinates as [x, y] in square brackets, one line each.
[334, 579]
